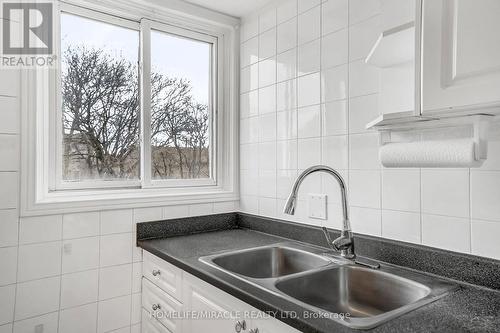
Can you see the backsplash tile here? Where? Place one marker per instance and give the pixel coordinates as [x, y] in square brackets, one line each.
[324, 96]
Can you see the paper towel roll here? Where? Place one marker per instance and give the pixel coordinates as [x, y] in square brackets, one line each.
[432, 154]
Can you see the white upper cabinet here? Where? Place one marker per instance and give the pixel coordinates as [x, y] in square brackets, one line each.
[461, 56]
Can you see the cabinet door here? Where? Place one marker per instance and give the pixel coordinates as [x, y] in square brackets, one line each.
[461, 54]
[202, 299]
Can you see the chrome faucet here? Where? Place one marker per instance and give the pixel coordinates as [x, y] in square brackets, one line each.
[345, 243]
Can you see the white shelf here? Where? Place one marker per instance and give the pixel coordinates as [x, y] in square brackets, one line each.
[394, 47]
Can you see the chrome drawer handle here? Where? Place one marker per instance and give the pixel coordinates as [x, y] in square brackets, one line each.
[156, 272]
[240, 326]
[156, 307]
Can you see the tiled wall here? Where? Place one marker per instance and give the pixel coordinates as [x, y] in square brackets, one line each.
[306, 96]
[70, 273]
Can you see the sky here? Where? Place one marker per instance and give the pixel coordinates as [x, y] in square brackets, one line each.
[171, 55]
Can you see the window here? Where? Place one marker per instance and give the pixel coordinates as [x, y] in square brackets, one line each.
[102, 104]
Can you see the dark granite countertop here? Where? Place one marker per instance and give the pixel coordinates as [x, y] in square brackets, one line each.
[469, 309]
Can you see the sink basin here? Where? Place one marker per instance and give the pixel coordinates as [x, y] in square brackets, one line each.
[364, 297]
[268, 262]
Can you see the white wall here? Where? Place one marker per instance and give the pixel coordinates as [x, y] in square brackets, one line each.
[306, 95]
[74, 272]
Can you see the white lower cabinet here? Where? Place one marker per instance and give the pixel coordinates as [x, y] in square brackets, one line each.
[200, 307]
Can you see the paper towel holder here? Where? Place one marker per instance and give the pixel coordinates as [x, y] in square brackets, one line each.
[479, 124]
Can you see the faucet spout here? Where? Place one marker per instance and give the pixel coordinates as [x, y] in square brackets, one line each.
[345, 243]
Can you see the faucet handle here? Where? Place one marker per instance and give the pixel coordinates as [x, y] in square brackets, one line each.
[328, 238]
[342, 243]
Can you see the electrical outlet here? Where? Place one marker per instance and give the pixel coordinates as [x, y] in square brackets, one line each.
[317, 206]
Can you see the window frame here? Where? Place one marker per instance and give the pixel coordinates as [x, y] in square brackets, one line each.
[37, 101]
[145, 180]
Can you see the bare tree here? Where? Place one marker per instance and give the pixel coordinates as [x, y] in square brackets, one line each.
[101, 120]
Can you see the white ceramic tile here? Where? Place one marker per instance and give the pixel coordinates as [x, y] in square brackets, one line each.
[445, 232]
[493, 160]
[249, 182]
[267, 207]
[485, 195]
[267, 72]
[309, 152]
[201, 209]
[287, 154]
[309, 56]
[401, 189]
[267, 127]
[8, 227]
[40, 229]
[286, 11]
[286, 65]
[362, 110]
[82, 319]
[286, 95]
[79, 288]
[117, 221]
[334, 152]
[80, 225]
[7, 303]
[37, 297]
[267, 19]
[267, 183]
[225, 207]
[115, 249]
[113, 313]
[363, 79]
[9, 190]
[48, 322]
[330, 187]
[366, 221]
[309, 122]
[267, 156]
[308, 90]
[115, 281]
[403, 226]
[249, 52]
[364, 188]
[334, 83]
[334, 15]
[249, 104]
[39, 260]
[445, 192]
[136, 277]
[334, 118]
[364, 151]
[249, 204]
[249, 28]
[8, 264]
[249, 78]
[267, 44]
[284, 183]
[9, 152]
[362, 38]
[484, 239]
[309, 25]
[267, 99]
[80, 254]
[7, 328]
[360, 10]
[136, 309]
[333, 49]
[286, 36]
[249, 156]
[147, 214]
[10, 82]
[173, 212]
[249, 130]
[304, 5]
[10, 115]
[312, 184]
[286, 125]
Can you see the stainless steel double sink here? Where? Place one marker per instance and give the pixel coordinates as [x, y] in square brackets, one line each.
[330, 286]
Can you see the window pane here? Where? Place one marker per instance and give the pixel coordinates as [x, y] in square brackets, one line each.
[100, 103]
[180, 107]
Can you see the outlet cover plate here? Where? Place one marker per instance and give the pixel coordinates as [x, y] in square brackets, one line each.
[317, 206]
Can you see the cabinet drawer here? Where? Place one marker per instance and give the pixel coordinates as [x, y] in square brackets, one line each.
[156, 301]
[164, 275]
[151, 325]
